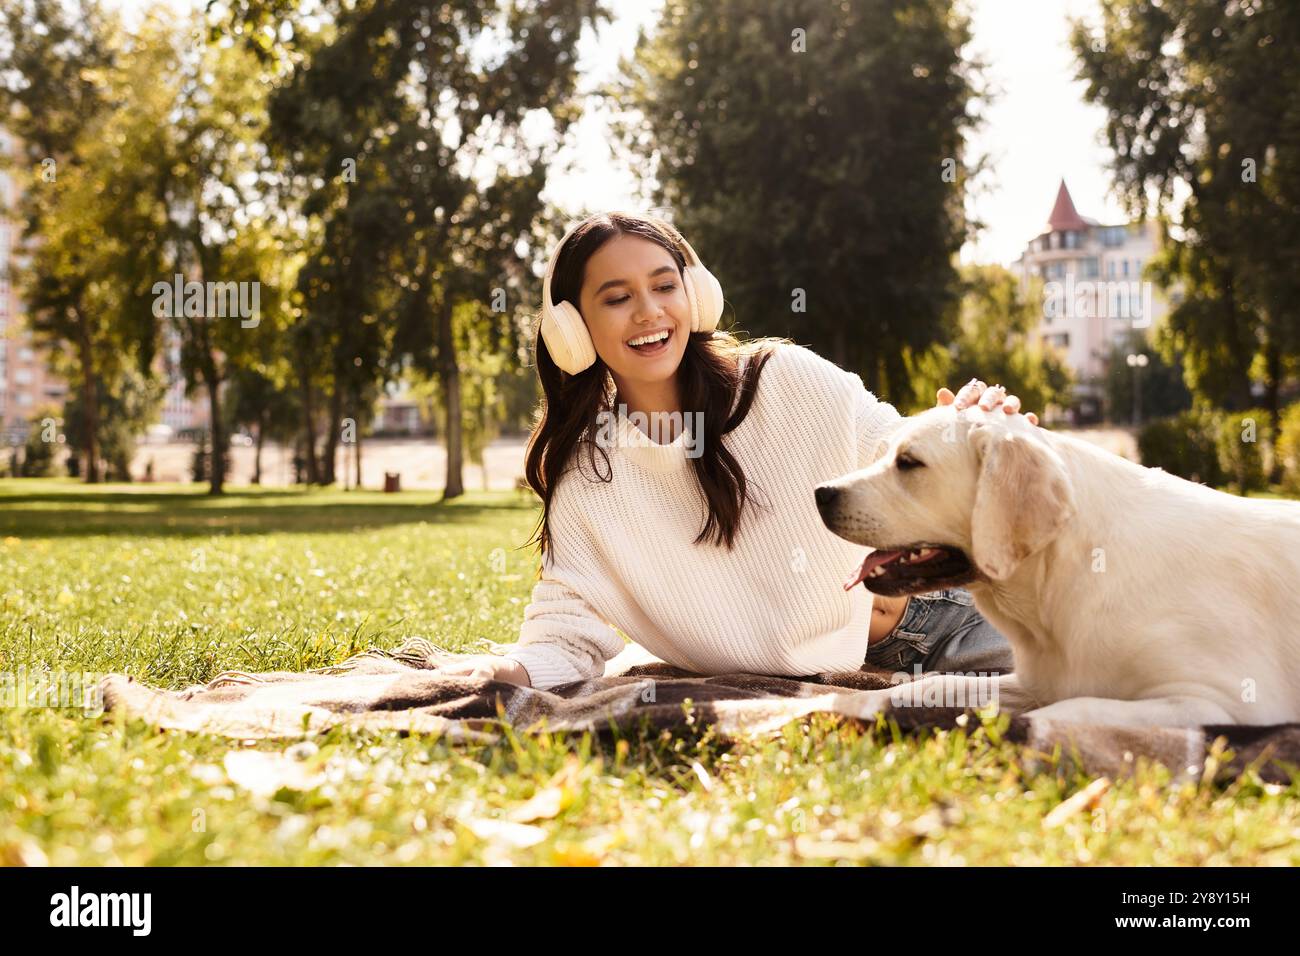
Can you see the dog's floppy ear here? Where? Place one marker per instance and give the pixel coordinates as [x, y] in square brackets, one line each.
[1022, 500]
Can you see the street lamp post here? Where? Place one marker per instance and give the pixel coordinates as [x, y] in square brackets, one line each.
[1137, 363]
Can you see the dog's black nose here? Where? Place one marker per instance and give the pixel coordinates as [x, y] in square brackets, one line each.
[825, 496]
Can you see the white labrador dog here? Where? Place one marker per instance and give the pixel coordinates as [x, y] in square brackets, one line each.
[1130, 597]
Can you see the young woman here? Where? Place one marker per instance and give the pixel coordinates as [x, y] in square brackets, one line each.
[699, 537]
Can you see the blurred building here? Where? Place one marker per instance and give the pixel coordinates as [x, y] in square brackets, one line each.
[1092, 291]
[27, 386]
[398, 412]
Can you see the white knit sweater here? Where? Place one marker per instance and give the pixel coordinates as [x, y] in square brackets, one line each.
[622, 553]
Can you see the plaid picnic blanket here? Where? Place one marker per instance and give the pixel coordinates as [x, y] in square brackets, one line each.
[399, 690]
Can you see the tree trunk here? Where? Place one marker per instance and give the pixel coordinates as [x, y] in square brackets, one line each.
[482, 454]
[257, 452]
[328, 474]
[449, 373]
[89, 407]
[309, 428]
[217, 462]
[1273, 384]
[356, 446]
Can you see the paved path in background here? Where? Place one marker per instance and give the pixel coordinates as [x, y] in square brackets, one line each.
[1120, 441]
[423, 463]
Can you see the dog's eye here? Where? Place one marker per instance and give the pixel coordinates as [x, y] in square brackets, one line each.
[906, 462]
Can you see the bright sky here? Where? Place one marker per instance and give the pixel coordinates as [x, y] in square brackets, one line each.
[1038, 129]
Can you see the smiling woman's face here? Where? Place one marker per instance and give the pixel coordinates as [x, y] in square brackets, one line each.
[632, 287]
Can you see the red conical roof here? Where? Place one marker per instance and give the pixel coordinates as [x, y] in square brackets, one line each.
[1064, 216]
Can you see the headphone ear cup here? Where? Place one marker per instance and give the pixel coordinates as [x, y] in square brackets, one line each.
[705, 292]
[567, 338]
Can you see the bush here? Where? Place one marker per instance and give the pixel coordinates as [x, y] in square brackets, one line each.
[1184, 445]
[1242, 441]
[1213, 447]
[1288, 449]
[38, 454]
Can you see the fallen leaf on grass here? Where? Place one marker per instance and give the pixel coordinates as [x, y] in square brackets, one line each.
[517, 835]
[265, 773]
[543, 805]
[1085, 799]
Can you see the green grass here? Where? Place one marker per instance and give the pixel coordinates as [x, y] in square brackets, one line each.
[171, 586]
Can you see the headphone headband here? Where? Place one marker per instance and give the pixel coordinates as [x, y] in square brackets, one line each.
[676, 237]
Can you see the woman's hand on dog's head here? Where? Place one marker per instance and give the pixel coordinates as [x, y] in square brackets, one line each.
[986, 397]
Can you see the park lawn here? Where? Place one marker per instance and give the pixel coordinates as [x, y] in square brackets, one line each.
[172, 586]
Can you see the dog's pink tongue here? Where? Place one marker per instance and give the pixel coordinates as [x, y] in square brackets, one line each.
[873, 560]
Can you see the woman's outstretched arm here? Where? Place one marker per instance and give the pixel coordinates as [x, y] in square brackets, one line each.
[562, 638]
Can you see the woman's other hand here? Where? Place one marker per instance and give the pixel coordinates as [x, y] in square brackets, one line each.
[986, 397]
[487, 667]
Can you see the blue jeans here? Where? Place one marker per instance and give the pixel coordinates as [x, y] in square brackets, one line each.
[943, 631]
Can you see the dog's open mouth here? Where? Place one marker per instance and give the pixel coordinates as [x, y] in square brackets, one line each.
[915, 569]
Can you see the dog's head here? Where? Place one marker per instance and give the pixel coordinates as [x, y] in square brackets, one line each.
[955, 497]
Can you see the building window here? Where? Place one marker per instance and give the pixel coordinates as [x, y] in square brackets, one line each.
[1126, 268]
[1090, 270]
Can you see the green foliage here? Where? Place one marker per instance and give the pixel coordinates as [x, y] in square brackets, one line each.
[125, 412]
[1164, 392]
[993, 341]
[38, 452]
[431, 191]
[1288, 449]
[1211, 447]
[84, 205]
[814, 154]
[1244, 454]
[1202, 94]
[1185, 445]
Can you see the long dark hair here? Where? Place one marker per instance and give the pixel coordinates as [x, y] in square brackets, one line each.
[710, 379]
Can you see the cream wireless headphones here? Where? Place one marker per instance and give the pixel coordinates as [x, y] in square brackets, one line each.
[565, 332]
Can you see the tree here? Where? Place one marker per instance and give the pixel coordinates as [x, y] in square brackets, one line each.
[1160, 382]
[441, 187]
[161, 181]
[814, 154]
[127, 410]
[1208, 94]
[268, 405]
[38, 453]
[53, 96]
[992, 339]
[210, 164]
